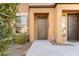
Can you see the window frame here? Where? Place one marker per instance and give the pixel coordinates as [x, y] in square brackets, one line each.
[22, 14]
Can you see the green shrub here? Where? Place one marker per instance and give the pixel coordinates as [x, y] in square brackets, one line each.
[21, 38]
[7, 18]
[4, 45]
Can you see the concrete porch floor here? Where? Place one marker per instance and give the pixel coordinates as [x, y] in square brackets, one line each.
[45, 48]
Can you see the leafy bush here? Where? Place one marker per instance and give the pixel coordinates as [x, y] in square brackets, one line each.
[21, 38]
[7, 17]
[4, 44]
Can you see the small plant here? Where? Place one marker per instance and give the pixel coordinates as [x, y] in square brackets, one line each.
[21, 38]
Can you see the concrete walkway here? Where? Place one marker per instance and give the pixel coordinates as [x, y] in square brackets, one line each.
[45, 48]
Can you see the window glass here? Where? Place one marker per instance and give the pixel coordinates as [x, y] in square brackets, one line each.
[21, 23]
[23, 20]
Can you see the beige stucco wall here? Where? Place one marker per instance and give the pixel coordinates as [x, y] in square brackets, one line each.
[54, 19]
[23, 8]
[58, 17]
[50, 21]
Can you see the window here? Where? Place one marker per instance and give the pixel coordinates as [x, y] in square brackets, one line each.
[21, 23]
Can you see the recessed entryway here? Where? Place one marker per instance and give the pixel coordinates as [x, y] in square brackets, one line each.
[41, 26]
[73, 27]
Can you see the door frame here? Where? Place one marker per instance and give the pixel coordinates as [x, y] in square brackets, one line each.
[66, 18]
[35, 24]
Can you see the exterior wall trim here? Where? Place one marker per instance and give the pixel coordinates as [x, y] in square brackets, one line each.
[20, 14]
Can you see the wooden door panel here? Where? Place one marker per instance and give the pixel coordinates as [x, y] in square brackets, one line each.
[41, 28]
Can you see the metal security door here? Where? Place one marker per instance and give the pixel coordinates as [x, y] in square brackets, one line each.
[72, 27]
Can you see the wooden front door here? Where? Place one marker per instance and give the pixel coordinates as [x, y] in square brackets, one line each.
[73, 25]
[41, 27]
